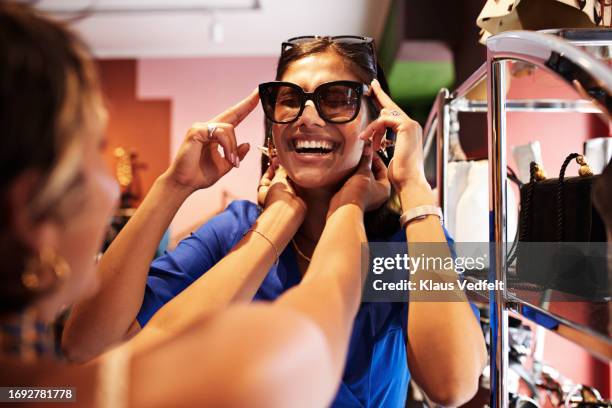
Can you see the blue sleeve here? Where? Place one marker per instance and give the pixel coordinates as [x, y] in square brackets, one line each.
[174, 271]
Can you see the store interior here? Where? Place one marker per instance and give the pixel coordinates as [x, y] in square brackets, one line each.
[165, 65]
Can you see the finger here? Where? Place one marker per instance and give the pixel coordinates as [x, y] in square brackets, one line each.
[268, 175]
[262, 191]
[377, 138]
[381, 96]
[241, 110]
[224, 135]
[375, 131]
[378, 168]
[265, 180]
[280, 174]
[365, 163]
[242, 150]
[228, 129]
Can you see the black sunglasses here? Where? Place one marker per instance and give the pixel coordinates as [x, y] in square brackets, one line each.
[343, 39]
[335, 102]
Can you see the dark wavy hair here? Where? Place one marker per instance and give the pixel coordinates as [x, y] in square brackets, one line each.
[384, 221]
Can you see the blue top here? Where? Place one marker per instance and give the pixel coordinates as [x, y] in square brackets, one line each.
[376, 372]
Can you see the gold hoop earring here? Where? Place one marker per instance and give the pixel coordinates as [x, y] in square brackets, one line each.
[47, 263]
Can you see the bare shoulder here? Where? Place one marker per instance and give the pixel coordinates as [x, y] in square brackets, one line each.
[255, 355]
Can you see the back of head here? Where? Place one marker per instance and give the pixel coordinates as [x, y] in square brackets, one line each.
[46, 79]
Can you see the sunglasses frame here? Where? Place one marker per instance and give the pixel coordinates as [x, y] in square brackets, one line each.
[315, 96]
[369, 41]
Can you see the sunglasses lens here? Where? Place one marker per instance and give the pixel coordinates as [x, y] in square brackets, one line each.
[281, 103]
[339, 103]
[336, 102]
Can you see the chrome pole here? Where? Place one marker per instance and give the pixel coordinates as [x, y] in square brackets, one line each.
[496, 81]
[442, 138]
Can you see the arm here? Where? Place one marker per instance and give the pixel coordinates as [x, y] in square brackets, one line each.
[109, 316]
[238, 275]
[291, 353]
[330, 292]
[295, 349]
[446, 350]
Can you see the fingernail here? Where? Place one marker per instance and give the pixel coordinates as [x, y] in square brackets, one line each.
[236, 161]
[375, 82]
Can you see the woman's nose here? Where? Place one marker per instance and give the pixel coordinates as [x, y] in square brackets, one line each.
[310, 116]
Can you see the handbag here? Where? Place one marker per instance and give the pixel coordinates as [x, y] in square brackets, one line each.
[467, 218]
[557, 226]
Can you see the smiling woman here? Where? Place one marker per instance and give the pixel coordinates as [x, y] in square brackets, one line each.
[326, 114]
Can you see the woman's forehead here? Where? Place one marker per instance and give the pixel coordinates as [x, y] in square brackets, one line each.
[315, 69]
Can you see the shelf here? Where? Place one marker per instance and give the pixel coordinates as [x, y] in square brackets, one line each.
[582, 60]
[585, 323]
[596, 343]
[529, 105]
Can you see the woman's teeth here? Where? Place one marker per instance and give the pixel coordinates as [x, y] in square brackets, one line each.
[313, 146]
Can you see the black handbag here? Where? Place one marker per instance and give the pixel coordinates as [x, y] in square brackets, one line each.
[558, 225]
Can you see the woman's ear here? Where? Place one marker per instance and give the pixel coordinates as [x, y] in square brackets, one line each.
[34, 232]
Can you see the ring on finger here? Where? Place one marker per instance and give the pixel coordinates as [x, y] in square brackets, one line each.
[211, 130]
[386, 143]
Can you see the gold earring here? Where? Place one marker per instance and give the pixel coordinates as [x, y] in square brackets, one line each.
[271, 148]
[48, 261]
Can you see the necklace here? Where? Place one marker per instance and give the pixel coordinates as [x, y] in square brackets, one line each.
[300, 253]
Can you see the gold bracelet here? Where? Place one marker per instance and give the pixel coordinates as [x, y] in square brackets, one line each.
[267, 239]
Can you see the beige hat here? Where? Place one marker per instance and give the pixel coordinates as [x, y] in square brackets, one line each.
[503, 15]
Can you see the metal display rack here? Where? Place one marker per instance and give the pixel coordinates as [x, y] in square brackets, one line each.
[571, 56]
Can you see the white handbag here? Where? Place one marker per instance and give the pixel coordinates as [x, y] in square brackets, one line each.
[468, 203]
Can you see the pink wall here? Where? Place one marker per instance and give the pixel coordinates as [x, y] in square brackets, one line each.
[559, 133]
[201, 88]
